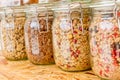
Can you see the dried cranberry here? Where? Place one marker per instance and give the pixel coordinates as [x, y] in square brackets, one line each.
[75, 32]
[107, 69]
[74, 54]
[115, 28]
[78, 51]
[75, 41]
[118, 14]
[114, 53]
[115, 34]
[101, 72]
[80, 28]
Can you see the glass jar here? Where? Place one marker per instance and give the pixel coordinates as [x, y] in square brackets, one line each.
[38, 35]
[105, 40]
[13, 44]
[1, 15]
[70, 39]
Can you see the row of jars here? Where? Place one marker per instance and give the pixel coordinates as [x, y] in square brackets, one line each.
[64, 35]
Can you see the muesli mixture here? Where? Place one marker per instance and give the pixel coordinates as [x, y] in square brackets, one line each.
[39, 40]
[105, 44]
[70, 41]
[13, 38]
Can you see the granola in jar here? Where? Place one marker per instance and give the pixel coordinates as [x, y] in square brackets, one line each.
[1, 16]
[70, 39]
[38, 36]
[13, 44]
[105, 41]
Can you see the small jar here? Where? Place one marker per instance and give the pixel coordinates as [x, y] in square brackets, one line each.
[13, 44]
[70, 39]
[38, 35]
[105, 40]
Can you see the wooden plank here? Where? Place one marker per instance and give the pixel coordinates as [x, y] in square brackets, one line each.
[24, 70]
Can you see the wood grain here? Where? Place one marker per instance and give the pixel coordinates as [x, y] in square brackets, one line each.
[24, 70]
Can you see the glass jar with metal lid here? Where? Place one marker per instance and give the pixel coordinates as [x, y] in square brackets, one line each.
[105, 40]
[70, 39]
[38, 35]
[13, 44]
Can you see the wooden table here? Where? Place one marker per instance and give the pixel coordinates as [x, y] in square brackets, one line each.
[24, 70]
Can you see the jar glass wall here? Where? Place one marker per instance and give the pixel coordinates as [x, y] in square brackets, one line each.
[38, 35]
[13, 44]
[1, 16]
[105, 40]
[70, 39]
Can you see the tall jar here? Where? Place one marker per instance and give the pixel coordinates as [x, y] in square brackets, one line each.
[13, 44]
[105, 40]
[70, 39]
[38, 35]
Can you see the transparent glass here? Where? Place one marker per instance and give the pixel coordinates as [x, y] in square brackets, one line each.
[38, 36]
[105, 42]
[13, 44]
[1, 15]
[70, 38]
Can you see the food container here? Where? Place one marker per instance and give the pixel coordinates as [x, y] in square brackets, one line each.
[38, 35]
[1, 15]
[70, 39]
[13, 44]
[105, 40]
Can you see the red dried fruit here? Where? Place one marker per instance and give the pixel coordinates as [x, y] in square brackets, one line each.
[115, 34]
[75, 41]
[74, 54]
[75, 32]
[115, 28]
[114, 52]
[101, 72]
[80, 28]
[115, 62]
[107, 69]
[78, 51]
[118, 14]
